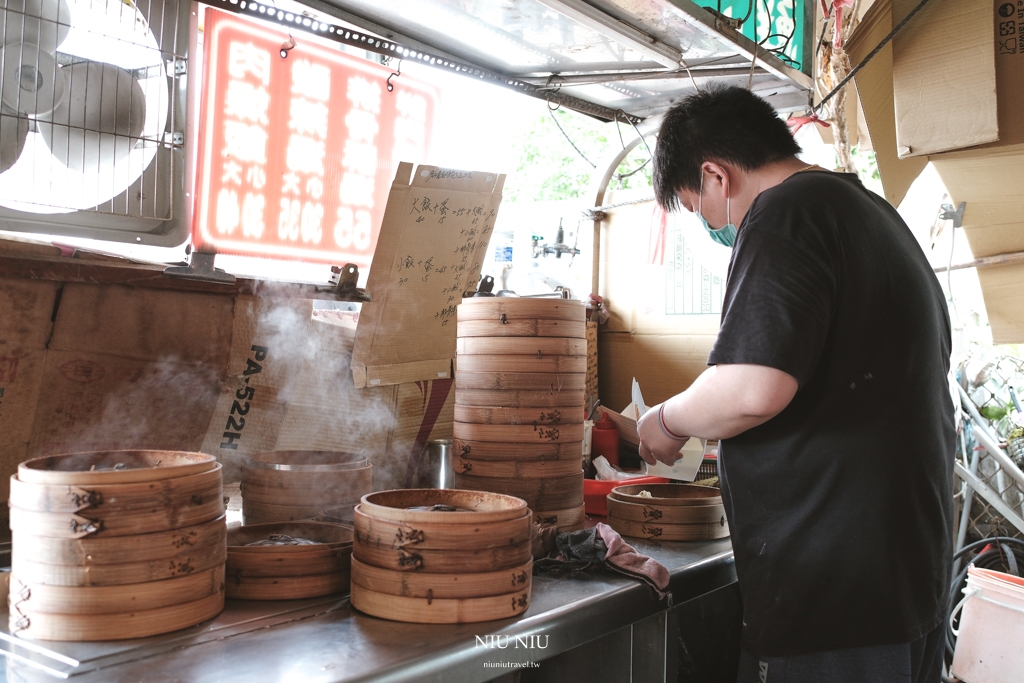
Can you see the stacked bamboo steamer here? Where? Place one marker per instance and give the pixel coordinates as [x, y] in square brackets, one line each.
[284, 486]
[116, 544]
[441, 556]
[282, 571]
[519, 396]
[668, 512]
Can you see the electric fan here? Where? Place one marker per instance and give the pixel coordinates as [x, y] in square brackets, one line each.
[92, 118]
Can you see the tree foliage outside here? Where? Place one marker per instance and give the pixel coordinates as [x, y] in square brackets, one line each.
[550, 169]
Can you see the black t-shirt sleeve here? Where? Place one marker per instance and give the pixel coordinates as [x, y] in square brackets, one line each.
[777, 305]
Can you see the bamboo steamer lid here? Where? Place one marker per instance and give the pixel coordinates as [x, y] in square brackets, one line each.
[287, 587]
[665, 514]
[115, 523]
[554, 493]
[527, 469]
[519, 346]
[513, 398]
[440, 535]
[439, 611]
[194, 489]
[308, 470]
[542, 433]
[535, 363]
[495, 450]
[468, 560]
[173, 546]
[527, 381]
[655, 531]
[569, 519]
[456, 586]
[192, 560]
[474, 507]
[529, 327]
[262, 513]
[114, 626]
[113, 467]
[521, 308]
[667, 494]
[26, 596]
[517, 416]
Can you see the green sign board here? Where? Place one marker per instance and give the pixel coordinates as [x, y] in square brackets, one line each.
[777, 25]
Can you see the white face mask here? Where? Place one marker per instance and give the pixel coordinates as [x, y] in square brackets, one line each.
[726, 235]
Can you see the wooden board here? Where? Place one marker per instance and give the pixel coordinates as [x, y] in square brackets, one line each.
[539, 433]
[124, 523]
[534, 363]
[98, 467]
[494, 450]
[439, 611]
[165, 545]
[520, 346]
[517, 416]
[527, 469]
[194, 489]
[442, 536]
[522, 328]
[26, 595]
[467, 560]
[670, 532]
[442, 586]
[527, 381]
[287, 587]
[666, 514]
[476, 507]
[556, 493]
[120, 626]
[512, 308]
[499, 398]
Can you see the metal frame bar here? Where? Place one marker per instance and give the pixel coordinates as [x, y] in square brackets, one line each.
[990, 496]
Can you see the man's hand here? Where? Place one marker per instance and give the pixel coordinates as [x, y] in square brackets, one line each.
[655, 443]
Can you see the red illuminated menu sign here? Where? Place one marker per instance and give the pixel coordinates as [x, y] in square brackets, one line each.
[297, 153]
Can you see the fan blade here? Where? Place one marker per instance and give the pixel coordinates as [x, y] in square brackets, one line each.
[32, 83]
[45, 23]
[100, 119]
[13, 133]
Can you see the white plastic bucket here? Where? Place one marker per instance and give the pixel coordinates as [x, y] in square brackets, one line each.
[989, 644]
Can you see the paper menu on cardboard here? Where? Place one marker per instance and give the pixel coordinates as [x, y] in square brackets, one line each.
[691, 455]
[433, 237]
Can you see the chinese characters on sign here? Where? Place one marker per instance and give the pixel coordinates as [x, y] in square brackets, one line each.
[297, 154]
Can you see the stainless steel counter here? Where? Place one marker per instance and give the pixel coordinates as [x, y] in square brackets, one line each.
[326, 641]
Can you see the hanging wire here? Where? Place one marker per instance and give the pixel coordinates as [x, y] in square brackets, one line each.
[566, 135]
[753, 54]
[650, 154]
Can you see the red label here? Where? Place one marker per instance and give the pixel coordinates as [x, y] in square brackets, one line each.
[296, 154]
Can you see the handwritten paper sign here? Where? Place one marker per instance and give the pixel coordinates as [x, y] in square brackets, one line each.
[436, 229]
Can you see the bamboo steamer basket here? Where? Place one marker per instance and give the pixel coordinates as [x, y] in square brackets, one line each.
[663, 495]
[522, 328]
[526, 381]
[456, 586]
[665, 514]
[285, 497]
[475, 507]
[114, 626]
[655, 531]
[571, 519]
[308, 470]
[338, 515]
[555, 493]
[484, 415]
[260, 513]
[674, 512]
[46, 599]
[513, 398]
[288, 572]
[542, 433]
[115, 523]
[176, 493]
[373, 531]
[527, 469]
[519, 346]
[511, 309]
[415, 559]
[176, 546]
[439, 611]
[535, 363]
[113, 467]
[494, 450]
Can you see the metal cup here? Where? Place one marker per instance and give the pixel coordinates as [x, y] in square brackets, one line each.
[439, 458]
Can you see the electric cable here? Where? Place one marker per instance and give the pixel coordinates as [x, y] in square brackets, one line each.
[559, 126]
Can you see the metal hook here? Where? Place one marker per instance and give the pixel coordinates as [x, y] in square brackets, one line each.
[287, 47]
[391, 86]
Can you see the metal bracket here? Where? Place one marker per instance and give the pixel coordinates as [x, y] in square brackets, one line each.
[343, 284]
[200, 267]
[956, 215]
[484, 288]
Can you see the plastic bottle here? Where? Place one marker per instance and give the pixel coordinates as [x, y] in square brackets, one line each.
[605, 440]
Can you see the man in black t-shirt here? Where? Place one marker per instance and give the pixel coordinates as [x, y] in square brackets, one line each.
[828, 390]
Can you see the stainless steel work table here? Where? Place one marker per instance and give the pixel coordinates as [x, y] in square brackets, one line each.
[326, 641]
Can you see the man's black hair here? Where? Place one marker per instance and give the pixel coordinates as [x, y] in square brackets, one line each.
[721, 123]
